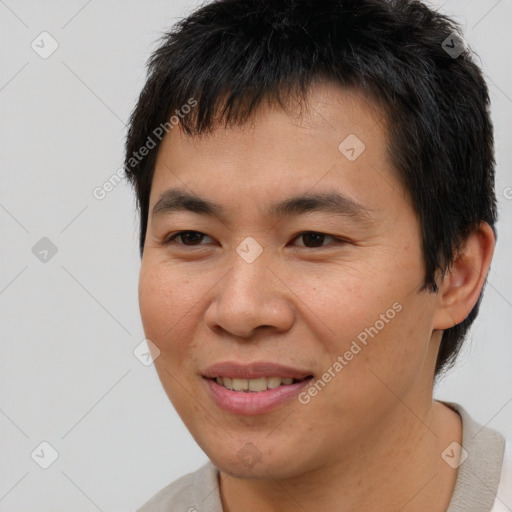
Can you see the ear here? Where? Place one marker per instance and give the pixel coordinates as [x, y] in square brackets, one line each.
[461, 286]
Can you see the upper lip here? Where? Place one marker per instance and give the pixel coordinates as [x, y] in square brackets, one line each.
[254, 370]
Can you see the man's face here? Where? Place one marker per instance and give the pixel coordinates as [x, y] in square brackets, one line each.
[250, 291]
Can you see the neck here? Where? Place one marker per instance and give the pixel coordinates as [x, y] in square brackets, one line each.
[399, 467]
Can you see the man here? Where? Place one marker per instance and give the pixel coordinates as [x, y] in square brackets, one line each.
[316, 189]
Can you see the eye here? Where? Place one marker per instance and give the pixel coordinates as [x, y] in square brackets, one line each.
[313, 239]
[186, 237]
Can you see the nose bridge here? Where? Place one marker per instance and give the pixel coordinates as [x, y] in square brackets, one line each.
[250, 273]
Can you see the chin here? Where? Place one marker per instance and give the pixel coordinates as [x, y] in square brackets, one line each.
[246, 459]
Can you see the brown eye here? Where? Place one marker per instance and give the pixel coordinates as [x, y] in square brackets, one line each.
[187, 238]
[313, 239]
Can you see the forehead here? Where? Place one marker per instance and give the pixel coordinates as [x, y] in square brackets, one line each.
[327, 107]
[337, 141]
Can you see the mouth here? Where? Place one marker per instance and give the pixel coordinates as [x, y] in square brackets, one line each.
[254, 388]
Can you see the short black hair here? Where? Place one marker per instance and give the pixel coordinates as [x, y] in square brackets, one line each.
[229, 56]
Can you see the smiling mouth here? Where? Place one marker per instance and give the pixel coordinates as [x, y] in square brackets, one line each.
[256, 385]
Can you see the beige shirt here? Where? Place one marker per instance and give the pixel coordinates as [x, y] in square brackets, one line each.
[484, 479]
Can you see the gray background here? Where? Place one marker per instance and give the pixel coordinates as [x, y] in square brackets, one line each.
[69, 325]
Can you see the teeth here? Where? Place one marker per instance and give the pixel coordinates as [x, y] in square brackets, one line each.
[240, 384]
[257, 384]
[273, 382]
[254, 385]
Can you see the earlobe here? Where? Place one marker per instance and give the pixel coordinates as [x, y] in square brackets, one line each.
[461, 286]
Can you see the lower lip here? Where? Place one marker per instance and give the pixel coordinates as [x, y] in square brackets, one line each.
[250, 403]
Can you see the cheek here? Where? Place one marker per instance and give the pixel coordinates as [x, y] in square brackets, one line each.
[155, 293]
[393, 356]
[345, 302]
[167, 302]
[374, 323]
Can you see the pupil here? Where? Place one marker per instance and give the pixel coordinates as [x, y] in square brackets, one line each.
[313, 235]
[186, 235]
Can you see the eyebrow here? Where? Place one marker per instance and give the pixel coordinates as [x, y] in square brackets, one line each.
[177, 200]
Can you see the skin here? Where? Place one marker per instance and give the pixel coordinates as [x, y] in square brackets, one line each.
[372, 438]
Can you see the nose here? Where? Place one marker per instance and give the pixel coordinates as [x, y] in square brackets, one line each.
[250, 297]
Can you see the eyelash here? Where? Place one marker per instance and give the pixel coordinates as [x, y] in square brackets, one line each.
[170, 239]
